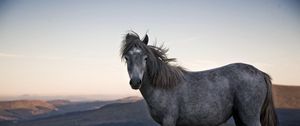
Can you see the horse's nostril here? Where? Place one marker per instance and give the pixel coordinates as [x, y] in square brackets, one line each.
[135, 81]
[139, 81]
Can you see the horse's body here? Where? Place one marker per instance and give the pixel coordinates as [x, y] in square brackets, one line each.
[206, 98]
[209, 98]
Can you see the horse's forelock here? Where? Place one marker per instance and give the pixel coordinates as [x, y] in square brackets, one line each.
[127, 46]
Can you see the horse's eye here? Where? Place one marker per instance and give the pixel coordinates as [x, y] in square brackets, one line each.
[126, 58]
[146, 58]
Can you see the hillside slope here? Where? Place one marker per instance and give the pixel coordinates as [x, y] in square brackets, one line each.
[23, 109]
[286, 96]
[133, 113]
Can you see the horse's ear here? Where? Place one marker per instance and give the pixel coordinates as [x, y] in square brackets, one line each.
[128, 37]
[131, 36]
[146, 39]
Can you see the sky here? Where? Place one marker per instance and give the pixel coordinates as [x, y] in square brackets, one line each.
[67, 47]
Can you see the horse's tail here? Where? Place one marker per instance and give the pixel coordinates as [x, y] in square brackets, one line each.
[268, 115]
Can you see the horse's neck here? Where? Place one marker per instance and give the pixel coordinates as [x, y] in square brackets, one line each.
[156, 98]
[147, 89]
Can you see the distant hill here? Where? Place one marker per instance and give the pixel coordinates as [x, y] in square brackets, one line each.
[129, 99]
[59, 102]
[133, 113]
[130, 111]
[33, 109]
[128, 114]
[25, 104]
[286, 96]
[23, 109]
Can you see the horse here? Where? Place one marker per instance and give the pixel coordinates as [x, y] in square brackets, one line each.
[178, 97]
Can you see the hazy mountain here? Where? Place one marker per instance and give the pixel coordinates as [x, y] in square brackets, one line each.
[59, 102]
[24, 109]
[76, 98]
[128, 114]
[33, 109]
[130, 111]
[286, 96]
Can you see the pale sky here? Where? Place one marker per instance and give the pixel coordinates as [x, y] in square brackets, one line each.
[60, 47]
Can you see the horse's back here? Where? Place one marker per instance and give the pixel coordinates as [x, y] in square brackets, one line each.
[237, 76]
[238, 79]
[210, 96]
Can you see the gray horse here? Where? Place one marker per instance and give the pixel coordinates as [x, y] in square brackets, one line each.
[179, 97]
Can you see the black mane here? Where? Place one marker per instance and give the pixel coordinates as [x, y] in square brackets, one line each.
[159, 69]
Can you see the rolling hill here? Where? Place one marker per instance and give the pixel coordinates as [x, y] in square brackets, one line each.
[286, 96]
[126, 113]
[24, 109]
[131, 111]
[33, 109]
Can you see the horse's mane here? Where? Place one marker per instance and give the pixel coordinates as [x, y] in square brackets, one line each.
[162, 74]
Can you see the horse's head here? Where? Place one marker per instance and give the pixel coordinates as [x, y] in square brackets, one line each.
[134, 52]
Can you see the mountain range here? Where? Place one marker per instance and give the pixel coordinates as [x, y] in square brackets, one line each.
[130, 111]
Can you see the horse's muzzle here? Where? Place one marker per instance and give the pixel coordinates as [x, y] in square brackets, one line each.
[135, 83]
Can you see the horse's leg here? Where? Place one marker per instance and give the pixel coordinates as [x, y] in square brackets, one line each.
[236, 118]
[248, 103]
[169, 121]
[245, 118]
